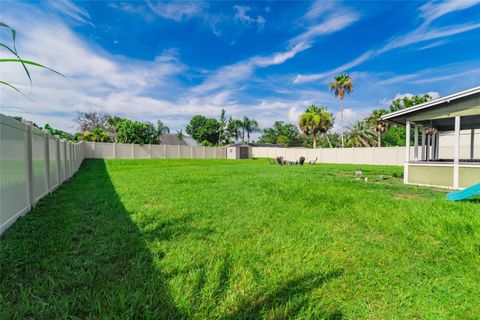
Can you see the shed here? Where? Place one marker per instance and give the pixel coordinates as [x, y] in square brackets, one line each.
[454, 113]
[239, 151]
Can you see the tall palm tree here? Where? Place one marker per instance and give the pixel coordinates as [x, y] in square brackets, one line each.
[342, 84]
[379, 126]
[315, 120]
[249, 126]
[360, 135]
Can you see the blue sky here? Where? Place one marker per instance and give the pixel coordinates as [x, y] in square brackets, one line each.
[268, 60]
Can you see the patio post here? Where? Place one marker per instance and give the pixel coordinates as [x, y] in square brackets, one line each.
[423, 143]
[434, 145]
[415, 154]
[407, 153]
[472, 144]
[456, 152]
[437, 146]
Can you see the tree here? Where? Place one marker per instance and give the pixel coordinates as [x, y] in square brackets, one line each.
[87, 121]
[203, 129]
[61, 134]
[234, 128]
[360, 135]
[180, 135]
[377, 125]
[222, 138]
[129, 131]
[281, 133]
[407, 102]
[342, 84]
[249, 126]
[315, 120]
[96, 134]
[112, 123]
[161, 129]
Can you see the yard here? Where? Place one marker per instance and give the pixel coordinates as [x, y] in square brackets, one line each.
[220, 239]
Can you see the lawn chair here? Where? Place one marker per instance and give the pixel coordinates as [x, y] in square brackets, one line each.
[301, 161]
[271, 161]
[313, 161]
[281, 161]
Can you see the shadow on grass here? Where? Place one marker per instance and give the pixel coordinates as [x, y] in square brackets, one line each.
[79, 255]
[287, 301]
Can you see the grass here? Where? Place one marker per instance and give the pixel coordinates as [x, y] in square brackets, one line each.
[218, 239]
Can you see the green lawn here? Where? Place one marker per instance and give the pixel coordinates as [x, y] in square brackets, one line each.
[222, 239]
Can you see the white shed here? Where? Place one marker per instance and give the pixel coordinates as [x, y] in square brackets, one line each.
[239, 151]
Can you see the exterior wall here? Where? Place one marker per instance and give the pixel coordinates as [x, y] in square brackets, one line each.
[441, 176]
[468, 176]
[135, 151]
[32, 164]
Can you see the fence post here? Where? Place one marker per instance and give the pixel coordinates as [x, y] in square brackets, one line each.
[179, 151]
[204, 152]
[133, 151]
[215, 152]
[114, 150]
[93, 150]
[65, 162]
[29, 163]
[58, 159]
[47, 161]
[191, 152]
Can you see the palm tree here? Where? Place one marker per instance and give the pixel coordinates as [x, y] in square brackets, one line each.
[249, 126]
[342, 84]
[180, 135]
[112, 123]
[360, 135]
[234, 128]
[379, 126]
[161, 129]
[315, 120]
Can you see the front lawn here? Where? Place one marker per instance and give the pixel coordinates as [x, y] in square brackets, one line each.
[223, 239]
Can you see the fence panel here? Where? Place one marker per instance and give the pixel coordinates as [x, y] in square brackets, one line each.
[39, 175]
[14, 198]
[142, 151]
[122, 151]
[53, 153]
[157, 151]
[29, 167]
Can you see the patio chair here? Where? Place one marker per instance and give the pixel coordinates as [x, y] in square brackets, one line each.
[313, 161]
[281, 161]
[271, 161]
[301, 161]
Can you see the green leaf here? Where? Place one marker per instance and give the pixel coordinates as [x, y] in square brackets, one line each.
[36, 64]
[11, 86]
[23, 64]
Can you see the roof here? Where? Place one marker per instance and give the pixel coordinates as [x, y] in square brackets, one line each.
[400, 116]
[172, 139]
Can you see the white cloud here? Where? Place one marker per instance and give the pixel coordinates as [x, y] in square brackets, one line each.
[177, 11]
[73, 11]
[242, 16]
[332, 23]
[429, 12]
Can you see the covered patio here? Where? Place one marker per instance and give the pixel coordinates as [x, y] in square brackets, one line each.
[427, 163]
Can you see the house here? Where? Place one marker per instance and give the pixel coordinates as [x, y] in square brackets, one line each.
[457, 116]
[173, 140]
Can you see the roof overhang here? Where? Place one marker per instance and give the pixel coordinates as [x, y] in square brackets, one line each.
[438, 108]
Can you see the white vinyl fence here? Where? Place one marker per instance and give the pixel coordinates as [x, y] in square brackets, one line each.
[32, 164]
[376, 156]
[149, 151]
